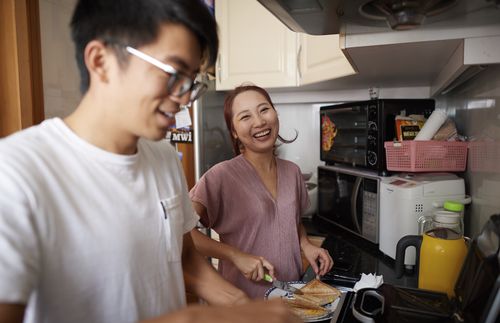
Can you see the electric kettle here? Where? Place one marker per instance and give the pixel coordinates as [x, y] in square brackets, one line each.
[440, 254]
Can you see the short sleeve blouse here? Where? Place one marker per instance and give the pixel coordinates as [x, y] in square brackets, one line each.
[245, 215]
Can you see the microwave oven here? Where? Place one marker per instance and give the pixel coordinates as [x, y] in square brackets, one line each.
[354, 132]
[349, 198]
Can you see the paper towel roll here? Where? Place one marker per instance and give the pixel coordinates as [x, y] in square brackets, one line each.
[432, 125]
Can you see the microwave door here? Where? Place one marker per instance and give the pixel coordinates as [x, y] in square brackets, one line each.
[354, 204]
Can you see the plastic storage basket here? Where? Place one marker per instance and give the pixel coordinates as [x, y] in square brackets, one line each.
[426, 156]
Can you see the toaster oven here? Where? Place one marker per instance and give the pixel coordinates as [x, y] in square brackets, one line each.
[354, 133]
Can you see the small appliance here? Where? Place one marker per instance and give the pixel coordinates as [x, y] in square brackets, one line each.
[354, 133]
[349, 198]
[440, 255]
[477, 291]
[404, 198]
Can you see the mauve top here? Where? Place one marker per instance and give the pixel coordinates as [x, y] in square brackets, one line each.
[245, 215]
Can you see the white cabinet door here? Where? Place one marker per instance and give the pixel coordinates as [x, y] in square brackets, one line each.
[254, 47]
[321, 59]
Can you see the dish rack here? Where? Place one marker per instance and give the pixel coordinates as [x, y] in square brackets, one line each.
[426, 156]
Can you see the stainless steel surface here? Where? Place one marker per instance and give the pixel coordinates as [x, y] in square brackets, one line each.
[211, 139]
[322, 17]
[475, 107]
[197, 138]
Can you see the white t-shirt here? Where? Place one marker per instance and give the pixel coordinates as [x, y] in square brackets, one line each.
[87, 235]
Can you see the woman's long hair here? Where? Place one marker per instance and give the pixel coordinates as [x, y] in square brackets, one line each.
[228, 113]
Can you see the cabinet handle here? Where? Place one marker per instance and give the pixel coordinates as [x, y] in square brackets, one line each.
[299, 52]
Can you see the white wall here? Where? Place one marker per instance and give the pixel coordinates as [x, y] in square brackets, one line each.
[303, 118]
[60, 74]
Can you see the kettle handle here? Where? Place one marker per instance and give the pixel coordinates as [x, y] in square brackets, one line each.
[403, 243]
[422, 222]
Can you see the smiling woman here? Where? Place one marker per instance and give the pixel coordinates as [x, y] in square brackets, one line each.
[254, 201]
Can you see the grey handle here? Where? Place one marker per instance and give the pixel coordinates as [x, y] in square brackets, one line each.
[354, 202]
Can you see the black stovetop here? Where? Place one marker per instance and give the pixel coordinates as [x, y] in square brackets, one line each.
[354, 255]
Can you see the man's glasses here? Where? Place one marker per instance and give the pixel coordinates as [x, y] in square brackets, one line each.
[178, 83]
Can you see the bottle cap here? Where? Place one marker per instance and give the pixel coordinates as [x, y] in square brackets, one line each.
[453, 206]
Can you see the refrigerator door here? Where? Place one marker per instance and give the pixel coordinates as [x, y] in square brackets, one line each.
[212, 143]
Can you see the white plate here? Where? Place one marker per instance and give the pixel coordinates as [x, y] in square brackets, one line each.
[274, 292]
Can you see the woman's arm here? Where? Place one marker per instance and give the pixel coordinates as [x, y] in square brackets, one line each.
[252, 267]
[314, 254]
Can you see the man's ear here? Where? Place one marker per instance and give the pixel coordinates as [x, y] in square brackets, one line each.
[96, 56]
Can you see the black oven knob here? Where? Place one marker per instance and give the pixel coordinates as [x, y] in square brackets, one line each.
[372, 126]
[372, 113]
[372, 158]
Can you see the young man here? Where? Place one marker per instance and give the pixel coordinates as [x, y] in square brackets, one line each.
[94, 211]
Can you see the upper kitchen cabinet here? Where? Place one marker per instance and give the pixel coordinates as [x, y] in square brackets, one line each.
[256, 47]
[320, 58]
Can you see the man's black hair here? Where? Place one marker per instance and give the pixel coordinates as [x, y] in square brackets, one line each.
[136, 23]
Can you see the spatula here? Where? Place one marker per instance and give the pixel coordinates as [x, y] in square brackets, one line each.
[282, 285]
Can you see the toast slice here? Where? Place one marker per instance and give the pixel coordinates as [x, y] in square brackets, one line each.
[311, 299]
[307, 313]
[322, 292]
[316, 286]
[305, 308]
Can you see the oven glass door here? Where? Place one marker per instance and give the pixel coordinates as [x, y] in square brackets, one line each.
[349, 201]
[344, 135]
[340, 199]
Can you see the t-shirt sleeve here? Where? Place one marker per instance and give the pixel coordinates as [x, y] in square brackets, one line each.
[207, 192]
[19, 252]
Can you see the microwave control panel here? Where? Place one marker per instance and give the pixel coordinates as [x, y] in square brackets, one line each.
[370, 216]
[372, 135]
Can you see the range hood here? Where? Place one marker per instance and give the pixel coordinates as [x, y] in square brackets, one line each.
[322, 17]
[434, 44]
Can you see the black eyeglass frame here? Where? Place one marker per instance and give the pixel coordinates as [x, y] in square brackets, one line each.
[196, 88]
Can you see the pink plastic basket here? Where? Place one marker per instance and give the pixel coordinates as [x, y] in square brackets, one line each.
[426, 156]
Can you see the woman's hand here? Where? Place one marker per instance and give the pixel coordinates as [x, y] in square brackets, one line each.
[251, 266]
[315, 255]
